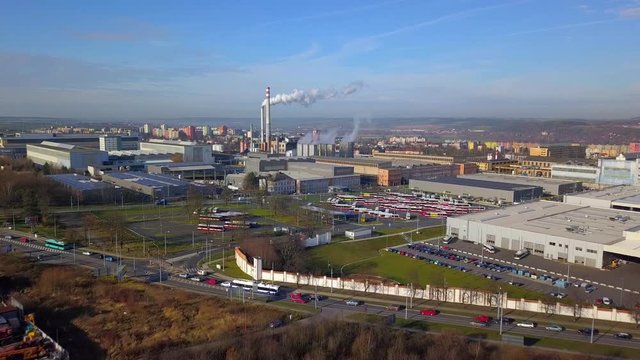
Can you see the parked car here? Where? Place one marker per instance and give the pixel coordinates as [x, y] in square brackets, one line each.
[589, 289]
[554, 327]
[607, 301]
[587, 331]
[623, 335]
[352, 302]
[561, 295]
[527, 324]
[599, 302]
[429, 312]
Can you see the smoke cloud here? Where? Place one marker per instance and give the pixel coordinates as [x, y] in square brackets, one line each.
[329, 136]
[308, 97]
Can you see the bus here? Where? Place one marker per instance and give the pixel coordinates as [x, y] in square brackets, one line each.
[489, 248]
[58, 245]
[248, 285]
[520, 254]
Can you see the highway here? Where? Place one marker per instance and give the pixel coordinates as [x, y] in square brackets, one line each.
[148, 271]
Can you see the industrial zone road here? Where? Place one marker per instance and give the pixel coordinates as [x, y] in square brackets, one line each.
[146, 271]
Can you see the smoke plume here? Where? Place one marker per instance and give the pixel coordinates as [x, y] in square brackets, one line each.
[308, 97]
[329, 136]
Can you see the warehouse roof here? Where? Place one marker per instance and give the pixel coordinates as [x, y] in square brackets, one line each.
[79, 182]
[152, 180]
[516, 179]
[463, 181]
[615, 193]
[595, 225]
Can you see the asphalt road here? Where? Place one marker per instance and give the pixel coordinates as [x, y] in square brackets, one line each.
[148, 271]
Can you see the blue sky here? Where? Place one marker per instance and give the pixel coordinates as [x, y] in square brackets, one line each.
[162, 59]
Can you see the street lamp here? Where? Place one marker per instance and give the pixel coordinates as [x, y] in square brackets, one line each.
[165, 242]
[159, 260]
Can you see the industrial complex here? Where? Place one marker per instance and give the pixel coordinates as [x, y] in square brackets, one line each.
[490, 190]
[576, 234]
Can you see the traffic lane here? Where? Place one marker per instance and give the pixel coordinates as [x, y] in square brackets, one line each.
[473, 269]
[539, 265]
[604, 337]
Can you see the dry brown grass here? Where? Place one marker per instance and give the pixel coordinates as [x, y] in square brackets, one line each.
[99, 318]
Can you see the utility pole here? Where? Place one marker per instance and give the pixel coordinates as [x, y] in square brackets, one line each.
[315, 298]
[500, 309]
[193, 239]
[406, 307]
[331, 267]
[411, 302]
[593, 322]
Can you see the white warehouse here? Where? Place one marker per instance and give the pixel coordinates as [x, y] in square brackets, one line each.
[577, 234]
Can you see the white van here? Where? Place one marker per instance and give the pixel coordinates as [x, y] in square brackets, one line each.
[527, 324]
[489, 248]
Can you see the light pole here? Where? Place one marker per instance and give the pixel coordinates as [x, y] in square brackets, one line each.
[165, 242]
[593, 321]
[159, 260]
[500, 309]
[331, 267]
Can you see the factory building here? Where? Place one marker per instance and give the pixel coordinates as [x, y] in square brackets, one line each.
[569, 233]
[65, 155]
[154, 185]
[193, 171]
[550, 186]
[85, 190]
[190, 151]
[488, 190]
[307, 150]
[586, 174]
[16, 145]
[110, 143]
[560, 151]
[617, 197]
[317, 178]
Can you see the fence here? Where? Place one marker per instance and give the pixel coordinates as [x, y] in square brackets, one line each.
[449, 294]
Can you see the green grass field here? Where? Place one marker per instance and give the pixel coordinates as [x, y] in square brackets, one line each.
[343, 253]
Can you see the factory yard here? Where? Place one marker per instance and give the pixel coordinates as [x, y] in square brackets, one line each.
[618, 284]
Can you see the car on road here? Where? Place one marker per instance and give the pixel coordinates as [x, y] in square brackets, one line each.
[88, 253]
[607, 301]
[212, 282]
[507, 320]
[554, 327]
[482, 318]
[196, 279]
[184, 275]
[352, 302]
[429, 312]
[8, 237]
[24, 239]
[587, 331]
[297, 297]
[276, 324]
[623, 335]
[527, 324]
[202, 272]
[393, 307]
[599, 302]
[312, 297]
[561, 295]
[479, 324]
[589, 289]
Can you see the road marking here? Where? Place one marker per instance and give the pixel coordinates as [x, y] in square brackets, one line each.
[618, 288]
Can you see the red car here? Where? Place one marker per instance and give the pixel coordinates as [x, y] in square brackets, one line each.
[429, 312]
[212, 282]
[599, 302]
[482, 319]
[24, 239]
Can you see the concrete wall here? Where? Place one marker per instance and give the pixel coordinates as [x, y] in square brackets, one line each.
[452, 295]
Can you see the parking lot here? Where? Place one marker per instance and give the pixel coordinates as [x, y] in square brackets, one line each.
[533, 272]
